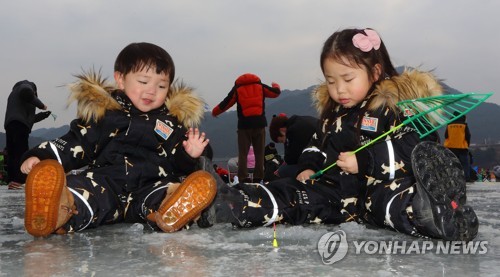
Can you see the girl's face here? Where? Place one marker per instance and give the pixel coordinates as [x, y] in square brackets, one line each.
[146, 89]
[347, 85]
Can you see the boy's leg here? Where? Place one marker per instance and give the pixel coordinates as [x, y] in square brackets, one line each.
[61, 203]
[186, 202]
[209, 215]
[439, 203]
[49, 203]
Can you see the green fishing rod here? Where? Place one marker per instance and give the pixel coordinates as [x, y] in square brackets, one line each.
[427, 115]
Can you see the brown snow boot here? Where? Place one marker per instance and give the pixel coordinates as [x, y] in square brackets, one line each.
[49, 203]
[187, 202]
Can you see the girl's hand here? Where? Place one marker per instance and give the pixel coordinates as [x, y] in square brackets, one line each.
[196, 142]
[348, 163]
[28, 164]
[304, 175]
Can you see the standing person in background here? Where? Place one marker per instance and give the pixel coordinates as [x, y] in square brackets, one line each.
[249, 93]
[295, 133]
[19, 119]
[457, 139]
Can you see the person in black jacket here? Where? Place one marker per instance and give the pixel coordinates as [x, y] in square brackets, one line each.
[135, 142]
[19, 119]
[295, 133]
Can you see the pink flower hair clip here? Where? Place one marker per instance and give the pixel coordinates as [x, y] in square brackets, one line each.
[367, 42]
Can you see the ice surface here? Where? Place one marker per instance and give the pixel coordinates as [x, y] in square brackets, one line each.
[135, 250]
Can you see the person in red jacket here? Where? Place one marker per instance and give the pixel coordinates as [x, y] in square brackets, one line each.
[249, 93]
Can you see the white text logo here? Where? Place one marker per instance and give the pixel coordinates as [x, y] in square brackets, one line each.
[333, 247]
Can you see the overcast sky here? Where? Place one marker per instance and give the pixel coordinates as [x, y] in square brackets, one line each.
[213, 42]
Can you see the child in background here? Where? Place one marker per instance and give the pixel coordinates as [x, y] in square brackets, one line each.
[272, 162]
[135, 142]
[401, 183]
[222, 172]
[295, 133]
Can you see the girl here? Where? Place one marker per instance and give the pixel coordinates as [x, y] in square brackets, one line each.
[422, 194]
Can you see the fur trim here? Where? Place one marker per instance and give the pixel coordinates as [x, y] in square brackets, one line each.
[185, 105]
[92, 93]
[411, 84]
[321, 98]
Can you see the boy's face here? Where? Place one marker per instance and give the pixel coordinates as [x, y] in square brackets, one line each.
[146, 89]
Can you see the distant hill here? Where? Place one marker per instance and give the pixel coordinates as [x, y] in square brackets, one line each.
[222, 130]
[50, 133]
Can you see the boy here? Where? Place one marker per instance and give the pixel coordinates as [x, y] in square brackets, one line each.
[134, 142]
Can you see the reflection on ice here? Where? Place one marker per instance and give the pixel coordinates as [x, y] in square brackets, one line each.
[135, 250]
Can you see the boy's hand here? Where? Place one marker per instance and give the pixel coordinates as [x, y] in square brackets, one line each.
[348, 163]
[196, 142]
[28, 164]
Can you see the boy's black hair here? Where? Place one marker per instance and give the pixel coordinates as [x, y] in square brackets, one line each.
[139, 55]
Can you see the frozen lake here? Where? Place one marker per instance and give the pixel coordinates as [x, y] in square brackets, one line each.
[134, 250]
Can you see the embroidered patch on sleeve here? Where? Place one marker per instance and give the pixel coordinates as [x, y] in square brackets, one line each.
[369, 124]
[163, 129]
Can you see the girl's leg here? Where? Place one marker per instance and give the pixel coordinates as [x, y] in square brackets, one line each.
[388, 205]
[432, 206]
[284, 200]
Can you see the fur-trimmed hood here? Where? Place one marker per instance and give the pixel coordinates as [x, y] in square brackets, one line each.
[411, 84]
[93, 95]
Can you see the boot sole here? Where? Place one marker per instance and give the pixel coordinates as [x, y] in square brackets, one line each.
[194, 195]
[44, 186]
[439, 173]
[439, 166]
